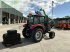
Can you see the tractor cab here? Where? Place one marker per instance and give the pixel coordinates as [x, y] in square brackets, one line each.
[35, 19]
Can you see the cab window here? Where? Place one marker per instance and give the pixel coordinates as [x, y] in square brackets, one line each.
[36, 20]
[41, 19]
[31, 19]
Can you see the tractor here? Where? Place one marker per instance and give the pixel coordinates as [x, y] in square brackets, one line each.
[37, 25]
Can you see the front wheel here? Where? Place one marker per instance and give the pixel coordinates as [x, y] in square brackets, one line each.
[37, 35]
[51, 35]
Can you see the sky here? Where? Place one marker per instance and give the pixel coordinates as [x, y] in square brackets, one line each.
[61, 8]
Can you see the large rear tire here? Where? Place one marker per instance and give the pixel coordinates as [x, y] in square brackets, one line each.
[37, 35]
[51, 35]
[24, 33]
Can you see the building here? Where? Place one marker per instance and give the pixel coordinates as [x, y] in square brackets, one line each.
[9, 15]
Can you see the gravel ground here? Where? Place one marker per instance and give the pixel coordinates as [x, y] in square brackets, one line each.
[61, 43]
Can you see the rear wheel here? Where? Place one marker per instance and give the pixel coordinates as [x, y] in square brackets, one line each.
[37, 35]
[24, 33]
[51, 35]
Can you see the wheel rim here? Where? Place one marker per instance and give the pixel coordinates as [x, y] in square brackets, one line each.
[38, 35]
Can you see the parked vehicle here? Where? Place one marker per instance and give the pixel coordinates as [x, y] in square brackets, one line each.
[37, 26]
[63, 23]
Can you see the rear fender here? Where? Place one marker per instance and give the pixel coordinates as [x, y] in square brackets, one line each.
[37, 26]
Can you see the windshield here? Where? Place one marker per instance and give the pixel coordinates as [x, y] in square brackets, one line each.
[36, 20]
[30, 19]
[33, 20]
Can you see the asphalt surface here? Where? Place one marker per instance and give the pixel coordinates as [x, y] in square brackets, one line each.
[61, 42]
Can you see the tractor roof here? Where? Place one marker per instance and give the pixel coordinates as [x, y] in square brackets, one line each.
[37, 16]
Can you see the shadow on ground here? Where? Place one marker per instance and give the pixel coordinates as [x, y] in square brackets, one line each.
[25, 42]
